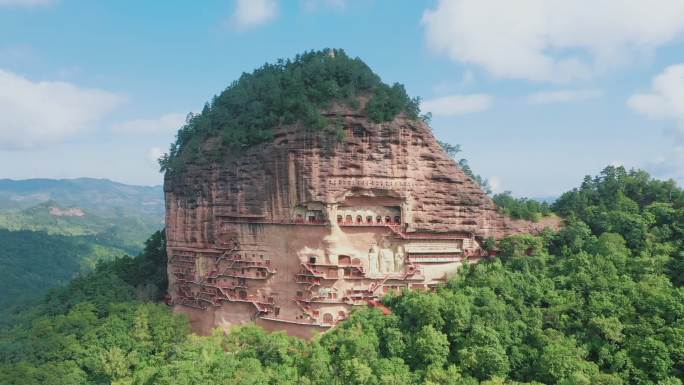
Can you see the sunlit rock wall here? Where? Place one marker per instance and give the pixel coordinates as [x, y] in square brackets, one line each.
[292, 234]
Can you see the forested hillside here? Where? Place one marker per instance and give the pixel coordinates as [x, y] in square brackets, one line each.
[599, 302]
[124, 232]
[33, 262]
[52, 230]
[98, 196]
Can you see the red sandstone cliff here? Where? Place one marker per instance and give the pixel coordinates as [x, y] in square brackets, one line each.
[399, 158]
[294, 232]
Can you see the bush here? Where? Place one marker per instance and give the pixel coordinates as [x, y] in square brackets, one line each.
[521, 245]
[521, 208]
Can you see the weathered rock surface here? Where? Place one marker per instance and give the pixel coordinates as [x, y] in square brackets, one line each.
[295, 232]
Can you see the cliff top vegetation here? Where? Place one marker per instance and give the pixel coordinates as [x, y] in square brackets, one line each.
[287, 92]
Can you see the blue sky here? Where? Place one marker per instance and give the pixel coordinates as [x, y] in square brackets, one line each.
[538, 94]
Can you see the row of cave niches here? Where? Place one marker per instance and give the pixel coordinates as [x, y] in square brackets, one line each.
[234, 274]
[369, 220]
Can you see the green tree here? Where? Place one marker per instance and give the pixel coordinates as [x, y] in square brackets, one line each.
[521, 245]
[429, 347]
[285, 93]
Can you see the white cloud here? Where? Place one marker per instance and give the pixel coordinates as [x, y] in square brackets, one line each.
[154, 153]
[169, 123]
[26, 3]
[252, 13]
[494, 184]
[670, 165]
[550, 40]
[446, 87]
[561, 96]
[456, 104]
[666, 98]
[37, 113]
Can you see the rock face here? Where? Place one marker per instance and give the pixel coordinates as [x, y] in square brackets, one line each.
[293, 233]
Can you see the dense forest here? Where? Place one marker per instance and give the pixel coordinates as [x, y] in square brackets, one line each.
[41, 250]
[53, 229]
[598, 302]
[287, 92]
[34, 261]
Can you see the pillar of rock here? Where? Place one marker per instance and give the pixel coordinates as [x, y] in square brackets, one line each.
[294, 233]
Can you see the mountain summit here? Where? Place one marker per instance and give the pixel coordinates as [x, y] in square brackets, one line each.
[313, 211]
[287, 92]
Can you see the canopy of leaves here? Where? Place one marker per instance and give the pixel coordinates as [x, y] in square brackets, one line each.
[648, 213]
[521, 208]
[580, 306]
[34, 261]
[286, 92]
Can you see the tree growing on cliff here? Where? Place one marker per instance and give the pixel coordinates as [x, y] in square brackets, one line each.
[452, 150]
[284, 93]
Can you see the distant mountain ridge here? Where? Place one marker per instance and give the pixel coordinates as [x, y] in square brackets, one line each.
[53, 229]
[99, 196]
[124, 214]
[126, 232]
